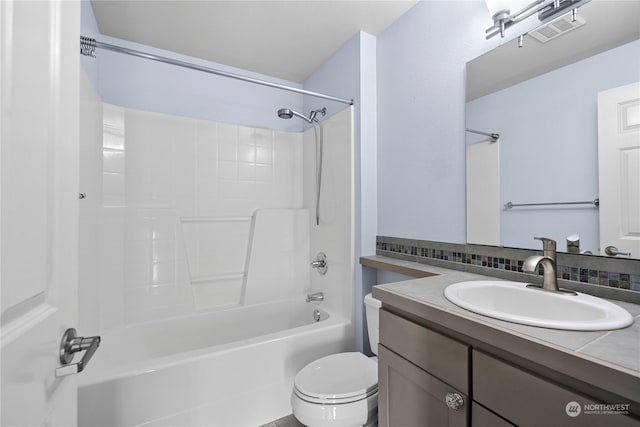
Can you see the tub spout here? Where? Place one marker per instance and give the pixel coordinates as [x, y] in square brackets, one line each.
[317, 296]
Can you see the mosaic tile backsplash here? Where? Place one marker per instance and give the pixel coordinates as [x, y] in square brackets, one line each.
[601, 271]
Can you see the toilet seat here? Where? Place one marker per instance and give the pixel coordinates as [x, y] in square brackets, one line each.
[337, 379]
[330, 401]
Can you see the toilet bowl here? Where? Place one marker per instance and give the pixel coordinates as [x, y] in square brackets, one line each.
[340, 390]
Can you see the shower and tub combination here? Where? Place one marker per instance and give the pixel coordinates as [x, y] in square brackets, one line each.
[202, 290]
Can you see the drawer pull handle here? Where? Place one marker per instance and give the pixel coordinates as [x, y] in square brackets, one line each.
[454, 401]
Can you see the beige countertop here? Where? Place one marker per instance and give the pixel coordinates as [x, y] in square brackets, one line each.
[609, 360]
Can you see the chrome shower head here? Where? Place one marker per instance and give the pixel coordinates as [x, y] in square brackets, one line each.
[287, 113]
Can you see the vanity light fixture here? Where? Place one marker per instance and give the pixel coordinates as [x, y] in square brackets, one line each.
[500, 11]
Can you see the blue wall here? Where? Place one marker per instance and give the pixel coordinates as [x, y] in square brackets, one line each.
[421, 118]
[152, 86]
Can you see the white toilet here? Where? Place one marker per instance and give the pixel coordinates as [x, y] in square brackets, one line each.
[340, 390]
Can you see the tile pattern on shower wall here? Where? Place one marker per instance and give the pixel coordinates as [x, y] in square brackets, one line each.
[112, 222]
[188, 189]
[113, 157]
[608, 272]
[210, 169]
[156, 269]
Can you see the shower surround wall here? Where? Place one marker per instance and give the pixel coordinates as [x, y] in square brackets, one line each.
[176, 246]
[179, 198]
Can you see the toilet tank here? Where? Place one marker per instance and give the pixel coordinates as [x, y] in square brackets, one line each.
[372, 306]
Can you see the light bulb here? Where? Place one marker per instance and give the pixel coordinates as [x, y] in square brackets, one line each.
[498, 6]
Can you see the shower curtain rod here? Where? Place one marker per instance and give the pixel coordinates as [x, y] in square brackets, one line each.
[88, 48]
[494, 136]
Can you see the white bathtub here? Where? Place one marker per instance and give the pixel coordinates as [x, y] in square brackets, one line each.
[230, 368]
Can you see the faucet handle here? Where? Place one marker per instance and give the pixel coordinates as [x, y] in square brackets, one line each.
[320, 263]
[548, 246]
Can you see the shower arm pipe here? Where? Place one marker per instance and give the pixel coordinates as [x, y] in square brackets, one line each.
[87, 45]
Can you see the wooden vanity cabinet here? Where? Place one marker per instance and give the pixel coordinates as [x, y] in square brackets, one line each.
[419, 369]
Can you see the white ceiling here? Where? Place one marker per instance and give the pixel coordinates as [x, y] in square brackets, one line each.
[288, 39]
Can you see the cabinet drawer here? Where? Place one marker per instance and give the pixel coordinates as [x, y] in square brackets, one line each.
[437, 354]
[481, 417]
[528, 400]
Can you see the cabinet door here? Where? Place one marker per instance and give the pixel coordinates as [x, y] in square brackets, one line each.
[409, 396]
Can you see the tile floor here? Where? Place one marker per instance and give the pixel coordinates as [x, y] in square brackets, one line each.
[288, 421]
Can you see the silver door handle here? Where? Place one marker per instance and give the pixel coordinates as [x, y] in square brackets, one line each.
[613, 251]
[70, 344]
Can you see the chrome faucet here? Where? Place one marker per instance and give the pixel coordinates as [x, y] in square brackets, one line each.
[548, 262]
[316, 296]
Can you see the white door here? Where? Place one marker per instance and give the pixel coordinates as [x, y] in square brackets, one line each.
[39, 103]
[619, 168]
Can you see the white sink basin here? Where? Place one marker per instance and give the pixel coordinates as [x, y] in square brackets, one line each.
[514, 302]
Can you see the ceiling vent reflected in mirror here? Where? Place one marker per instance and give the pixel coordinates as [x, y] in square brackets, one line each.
[557, 27]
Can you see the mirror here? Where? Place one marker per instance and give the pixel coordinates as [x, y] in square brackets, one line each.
[542, 99]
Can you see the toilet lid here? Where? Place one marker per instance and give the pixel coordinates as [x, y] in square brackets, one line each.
[338, 376]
